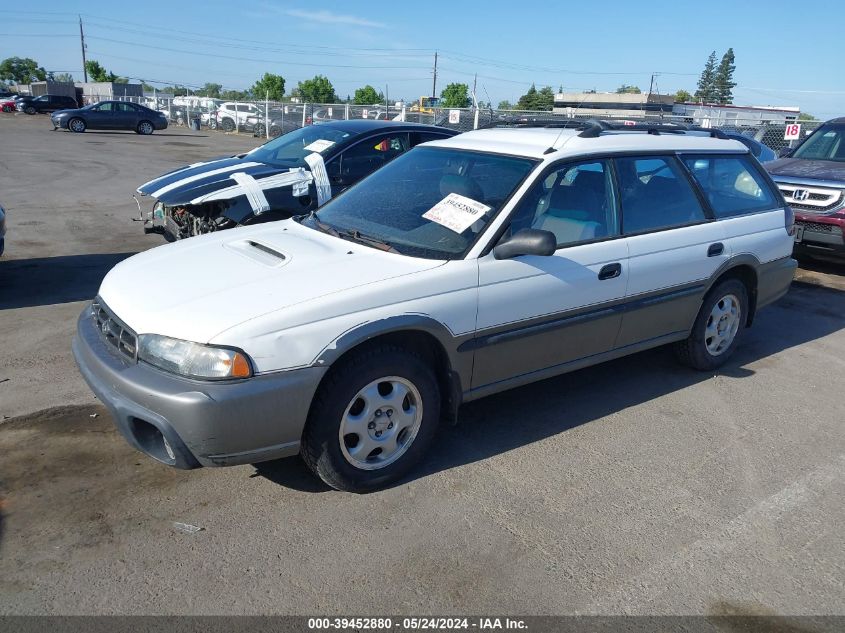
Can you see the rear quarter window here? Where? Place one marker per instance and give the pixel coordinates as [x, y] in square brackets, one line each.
[731, 184]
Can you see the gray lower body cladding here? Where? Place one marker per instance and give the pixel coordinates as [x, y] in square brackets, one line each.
[204, 423]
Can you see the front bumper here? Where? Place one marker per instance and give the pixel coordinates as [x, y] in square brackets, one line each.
[820, 233]
[203, 423]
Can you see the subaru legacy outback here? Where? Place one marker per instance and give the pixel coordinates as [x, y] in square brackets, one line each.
[464, 267]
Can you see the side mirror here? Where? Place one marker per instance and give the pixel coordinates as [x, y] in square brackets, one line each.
[785, 152]
[527, 242]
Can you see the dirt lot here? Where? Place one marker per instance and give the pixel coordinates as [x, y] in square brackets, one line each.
[633, 487]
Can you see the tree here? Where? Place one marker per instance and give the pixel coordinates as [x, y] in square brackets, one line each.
[97, 73]
[806, 116]
[706, 92]
[724, 83]
[682, 96]
[270, 86]
[505, 105]
[455, 96]
[21, 70]
[317, 90]
[543, 99]
[63, 77]
[234, 95]
[625, 89]
[211, 90]
[367, 96]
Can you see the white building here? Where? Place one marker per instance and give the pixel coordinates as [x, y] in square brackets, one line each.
[729, 115]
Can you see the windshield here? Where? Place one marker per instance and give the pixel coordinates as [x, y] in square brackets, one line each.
[430, 202]
[828, 143]
[290, 150]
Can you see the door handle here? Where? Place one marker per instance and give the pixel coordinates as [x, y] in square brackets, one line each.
[610, 271]
[715, 249]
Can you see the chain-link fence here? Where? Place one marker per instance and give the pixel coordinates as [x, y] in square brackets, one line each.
[269, 119]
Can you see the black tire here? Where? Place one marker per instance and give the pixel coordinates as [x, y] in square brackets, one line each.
[145, 128]
[212, 124]
[258, 130]
[227, 125]
[275, 131]
[694, 351]
[29, 110]
[7, 108]
[321, 444]
[76, 125]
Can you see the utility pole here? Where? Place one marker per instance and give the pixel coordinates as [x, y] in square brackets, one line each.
[82, 42]
[434, 85]
[651, 85]
[474, 100]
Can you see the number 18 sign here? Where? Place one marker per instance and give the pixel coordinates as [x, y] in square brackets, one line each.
[792, 132]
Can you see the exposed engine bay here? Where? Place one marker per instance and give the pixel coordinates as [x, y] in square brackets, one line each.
[183, 221]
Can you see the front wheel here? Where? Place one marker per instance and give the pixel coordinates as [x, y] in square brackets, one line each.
[227, 125]
[717, 327]
[76, 125]
[145, 128]
[29, 110]
[258, 130]
[372, 419]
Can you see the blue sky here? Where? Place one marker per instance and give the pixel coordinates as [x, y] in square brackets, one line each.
[783, 56]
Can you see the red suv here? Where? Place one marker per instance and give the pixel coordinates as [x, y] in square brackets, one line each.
[812, 180]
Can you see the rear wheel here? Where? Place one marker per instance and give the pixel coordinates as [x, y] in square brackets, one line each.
[7, 108]
[717, 327]
[76, 125]
[29, 110]
[275, 131]
[227, 124]
[145, 128]
[372, 419]
[259, 130]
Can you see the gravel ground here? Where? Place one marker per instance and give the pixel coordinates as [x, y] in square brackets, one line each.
[634, 487]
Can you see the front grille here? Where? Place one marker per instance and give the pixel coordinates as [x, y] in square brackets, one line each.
[817, 227]
[812, 199]
[114, 331]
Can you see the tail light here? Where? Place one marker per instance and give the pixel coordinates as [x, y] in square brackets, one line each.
[789, 220]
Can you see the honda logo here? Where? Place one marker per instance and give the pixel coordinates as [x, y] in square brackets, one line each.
[800, 195]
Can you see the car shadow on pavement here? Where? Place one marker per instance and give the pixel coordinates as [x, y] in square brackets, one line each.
[42, 281]
[512, 419]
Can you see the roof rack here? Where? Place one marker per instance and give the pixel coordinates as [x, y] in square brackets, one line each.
[595, 127]
[592, 128]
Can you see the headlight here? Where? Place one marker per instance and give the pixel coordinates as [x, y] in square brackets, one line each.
[193, 359]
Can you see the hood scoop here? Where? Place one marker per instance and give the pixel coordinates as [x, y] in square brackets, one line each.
[258, 252]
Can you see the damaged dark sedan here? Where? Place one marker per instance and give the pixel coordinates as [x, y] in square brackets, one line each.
[289, 175]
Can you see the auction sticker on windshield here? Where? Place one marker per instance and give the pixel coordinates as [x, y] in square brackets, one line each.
[456, 212]
[320, 145]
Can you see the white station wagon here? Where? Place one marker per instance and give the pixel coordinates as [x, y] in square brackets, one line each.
[465, 267]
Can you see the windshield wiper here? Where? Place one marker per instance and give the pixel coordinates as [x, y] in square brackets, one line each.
[356, 236]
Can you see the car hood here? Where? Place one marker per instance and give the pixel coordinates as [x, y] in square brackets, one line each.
[800, 168]
[201, 181]
[197, 288]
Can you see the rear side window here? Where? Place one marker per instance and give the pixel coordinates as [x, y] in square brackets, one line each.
[731, 184]
[655, 194]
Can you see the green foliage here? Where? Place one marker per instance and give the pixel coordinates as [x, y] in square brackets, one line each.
[96, 72]
[806, 116]
[455, 96]
[367, 96]
[723, 83]
[682, 96]
[625, 89]
[317, 90]
[270, 86]
[234, 95]
[706, 91]
[21, 70]
[211, 90]
[63, 77]
[505, 105]
[543, 99]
